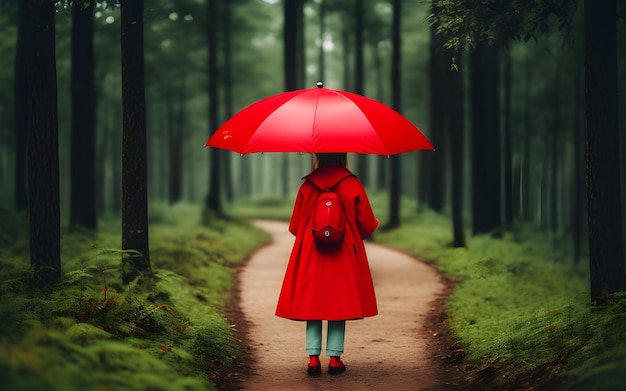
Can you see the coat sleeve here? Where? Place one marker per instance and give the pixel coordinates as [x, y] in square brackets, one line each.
[365, 219]
[294, 223]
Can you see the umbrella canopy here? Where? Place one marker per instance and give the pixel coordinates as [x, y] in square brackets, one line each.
[319, 120]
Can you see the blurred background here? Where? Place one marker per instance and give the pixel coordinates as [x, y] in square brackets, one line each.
[538, 143]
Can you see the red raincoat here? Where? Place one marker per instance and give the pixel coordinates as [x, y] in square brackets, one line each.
[335, 283]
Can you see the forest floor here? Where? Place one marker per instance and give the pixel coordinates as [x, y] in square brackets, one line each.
[406, 347]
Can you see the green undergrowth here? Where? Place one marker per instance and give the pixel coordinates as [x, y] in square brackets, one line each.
[521, 304]
[168, 332]
[269, 208]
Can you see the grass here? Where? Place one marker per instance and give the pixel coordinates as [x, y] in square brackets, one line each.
[271, 208]
[521, 305]
[92, 333]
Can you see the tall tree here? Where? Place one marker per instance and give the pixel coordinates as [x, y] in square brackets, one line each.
[359, 74]
[447, 118]
[606, 253]
[290, 44]
[346, 41]
[485, 138]
[478, 23]
[507, 154]
[395, 166]
[213, 201]
[82, 190]
[439, 90]
[292, 65]
[555, 142]
[301, 53]
[227, 30]
[322, 21]
[578, 211]
[526, 150]
[359, 77]
[175, 135]
[43, 144]
[21, 107]
[457, 144]
[134, 144]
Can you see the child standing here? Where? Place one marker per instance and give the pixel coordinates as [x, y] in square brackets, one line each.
[329, 283]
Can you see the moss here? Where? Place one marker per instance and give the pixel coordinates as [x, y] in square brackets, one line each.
[521, 304]
[82, 332]
[208, 337]
[93, 333]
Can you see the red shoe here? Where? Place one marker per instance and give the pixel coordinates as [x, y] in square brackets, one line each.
[336, 366]
[314, 367]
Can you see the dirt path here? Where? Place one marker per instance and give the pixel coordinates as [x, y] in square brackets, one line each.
[388, 352]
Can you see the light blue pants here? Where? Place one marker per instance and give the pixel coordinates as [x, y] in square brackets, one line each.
[334, 338]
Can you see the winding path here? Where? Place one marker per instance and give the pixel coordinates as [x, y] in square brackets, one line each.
[386, 352]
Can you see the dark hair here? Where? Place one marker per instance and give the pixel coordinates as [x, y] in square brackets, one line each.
[332, 159]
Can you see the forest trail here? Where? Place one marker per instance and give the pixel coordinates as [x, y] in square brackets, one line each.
[390, 351]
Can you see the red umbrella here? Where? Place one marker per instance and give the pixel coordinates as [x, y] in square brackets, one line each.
[319, 120]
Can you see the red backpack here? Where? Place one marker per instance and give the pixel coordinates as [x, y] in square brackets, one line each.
[328, 222]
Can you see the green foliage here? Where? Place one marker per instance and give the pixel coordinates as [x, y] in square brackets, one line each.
[165, 332]
[272, 208]
[464, 22]
[520, 304]
[54, 359]
[211, 345]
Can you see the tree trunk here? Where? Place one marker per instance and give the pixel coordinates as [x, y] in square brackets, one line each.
[485, 143]
[508, 149]
[213, 201]
[284, 174]
[134, 148]
[457, 147]
[381, 161]
[359, 79]
[554, 153]
[175, 123]
[345, 57]
[427, 160]
[359, 74]
[228, 92]
[290, 42]
[606, 255]
[21, 106]
[321, 60]
[301, 46]
[159, 132]
[396, 94]
[116, 152]
[104, 147]
[43, 145]
[578, 184]
[292, 65]
[439, 87]
[525, 204]
[82, 189]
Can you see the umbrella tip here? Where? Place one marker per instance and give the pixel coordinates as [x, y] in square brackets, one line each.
[320, 84]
